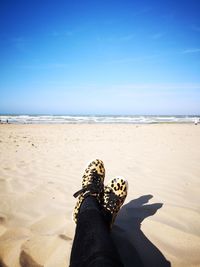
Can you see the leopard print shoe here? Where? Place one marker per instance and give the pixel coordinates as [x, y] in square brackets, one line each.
[115, 193]
[92, 184]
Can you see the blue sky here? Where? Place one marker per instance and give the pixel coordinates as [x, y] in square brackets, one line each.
[100, 57]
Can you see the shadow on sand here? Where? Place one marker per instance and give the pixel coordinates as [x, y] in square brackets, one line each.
[135, 249]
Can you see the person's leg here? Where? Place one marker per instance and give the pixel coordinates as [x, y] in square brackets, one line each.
[93, 246]
[94, 214]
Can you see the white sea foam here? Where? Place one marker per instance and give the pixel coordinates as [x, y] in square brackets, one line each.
[44, 119]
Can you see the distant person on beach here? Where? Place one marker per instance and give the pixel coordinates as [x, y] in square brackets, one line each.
[94, 214]
[196, 121]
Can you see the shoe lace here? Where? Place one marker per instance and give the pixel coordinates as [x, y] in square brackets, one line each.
[95, 186]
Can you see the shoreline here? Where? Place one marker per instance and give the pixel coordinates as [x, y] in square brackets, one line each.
[97, 123]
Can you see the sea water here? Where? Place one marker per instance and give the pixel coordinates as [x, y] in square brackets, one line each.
[66, 119]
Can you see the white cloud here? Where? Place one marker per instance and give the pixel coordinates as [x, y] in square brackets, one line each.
[128, 88]
[159, 86]
[193, 50]
[126, 37]
[196, 28]
[45, 66]
[132, 59]
[19, 43]
[67, 33]
[110, 39]
[157, 35]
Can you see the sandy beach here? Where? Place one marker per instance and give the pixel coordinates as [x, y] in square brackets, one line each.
[41, 167]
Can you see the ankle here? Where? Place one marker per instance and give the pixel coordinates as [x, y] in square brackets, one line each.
[89, 203]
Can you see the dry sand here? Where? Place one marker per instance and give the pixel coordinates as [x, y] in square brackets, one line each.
[41, 167]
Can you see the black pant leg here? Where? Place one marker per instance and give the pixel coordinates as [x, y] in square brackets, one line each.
[93, 246]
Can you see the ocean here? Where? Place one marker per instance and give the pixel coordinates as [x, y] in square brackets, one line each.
[108, 119]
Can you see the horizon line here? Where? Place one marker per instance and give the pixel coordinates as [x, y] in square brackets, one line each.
[100, 115]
